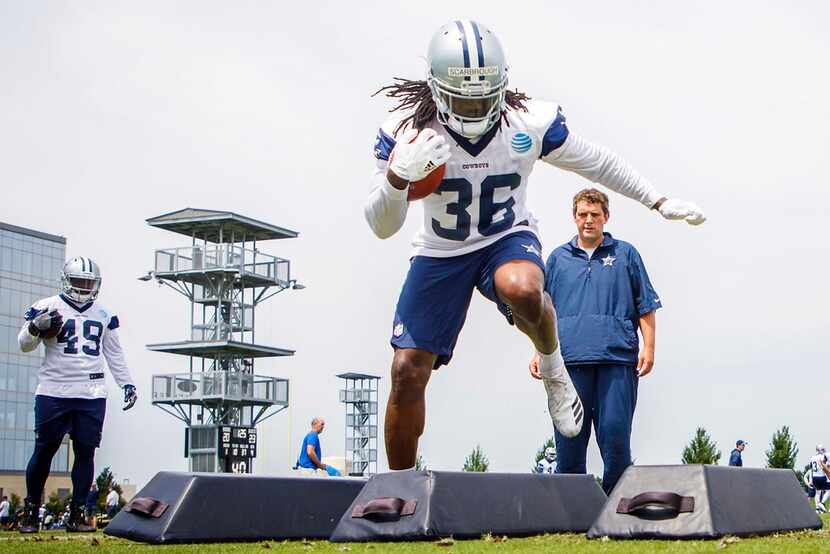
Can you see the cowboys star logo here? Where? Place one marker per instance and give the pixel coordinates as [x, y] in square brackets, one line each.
[608, 260]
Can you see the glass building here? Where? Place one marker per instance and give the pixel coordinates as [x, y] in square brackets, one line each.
[30, 266]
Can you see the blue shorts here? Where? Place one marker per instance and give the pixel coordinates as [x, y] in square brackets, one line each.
[437, 292]
[82, 418]
[821, 483]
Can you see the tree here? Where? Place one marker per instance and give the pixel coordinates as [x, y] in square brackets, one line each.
[106, 482]
[15, 503]
[56, 505]
[550, 443]
[701, 450]
[782, 450]
[476, 461]
[420, 463]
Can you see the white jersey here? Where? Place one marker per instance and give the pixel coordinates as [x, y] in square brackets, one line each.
[74, 363]
[544, 466]
[483, 195]
[815, 465]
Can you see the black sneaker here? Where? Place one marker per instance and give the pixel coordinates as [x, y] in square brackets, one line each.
[77, 521]
[29, 518]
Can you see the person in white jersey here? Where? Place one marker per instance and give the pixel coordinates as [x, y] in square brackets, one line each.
[78, 333]
[477, 230]
[820, 470]
[547, 464]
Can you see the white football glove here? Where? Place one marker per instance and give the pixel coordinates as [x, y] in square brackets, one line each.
[673, 208]
[416, 154]
[43, 321]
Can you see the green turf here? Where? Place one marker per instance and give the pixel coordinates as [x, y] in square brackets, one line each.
[59, 542]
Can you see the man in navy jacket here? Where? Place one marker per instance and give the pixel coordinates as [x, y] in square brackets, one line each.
[602, 295]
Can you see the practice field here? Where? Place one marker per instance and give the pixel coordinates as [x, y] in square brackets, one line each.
[59, 542]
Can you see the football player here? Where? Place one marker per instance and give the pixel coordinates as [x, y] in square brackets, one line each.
[477, 231]
[820, 470]
[548, 463]
[78, 333]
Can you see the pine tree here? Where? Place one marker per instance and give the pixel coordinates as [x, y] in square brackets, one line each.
[420, 463]
[476, 461]
[782, 450]
[550, 443]
[106, 482]
[701, 450]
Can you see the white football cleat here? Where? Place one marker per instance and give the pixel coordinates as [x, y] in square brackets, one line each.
[564, 405]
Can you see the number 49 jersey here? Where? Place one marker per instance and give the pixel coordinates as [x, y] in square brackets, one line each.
[74, 363]
[483, 195]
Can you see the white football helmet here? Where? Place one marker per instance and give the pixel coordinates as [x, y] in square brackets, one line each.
[81, 280]
[550, 454]
[820, 449]
[467, 77]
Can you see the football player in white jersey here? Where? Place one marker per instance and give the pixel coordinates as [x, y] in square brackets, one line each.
[548, 463]
[78, 333]
[820, 470]
[477, 230]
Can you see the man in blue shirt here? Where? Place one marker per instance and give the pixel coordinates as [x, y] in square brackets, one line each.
[311, 455]
[735, 457]
[602, 295]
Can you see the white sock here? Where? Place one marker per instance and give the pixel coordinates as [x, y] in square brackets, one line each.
[551, 364]
[400, 470]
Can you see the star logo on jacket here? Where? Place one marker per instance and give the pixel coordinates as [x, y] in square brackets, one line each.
[398, 330]
[608, 260]
[531, 249]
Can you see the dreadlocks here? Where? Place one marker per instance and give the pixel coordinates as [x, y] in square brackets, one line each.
[417, 94]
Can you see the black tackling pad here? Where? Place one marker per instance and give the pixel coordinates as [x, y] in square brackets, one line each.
[206, 507]
[702, 501]
[414, 505]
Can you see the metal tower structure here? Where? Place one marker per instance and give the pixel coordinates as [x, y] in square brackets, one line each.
[360, 396]
[225, 277]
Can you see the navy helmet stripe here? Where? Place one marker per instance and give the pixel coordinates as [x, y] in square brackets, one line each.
[83, 264]
[478, 47]
[464, 46]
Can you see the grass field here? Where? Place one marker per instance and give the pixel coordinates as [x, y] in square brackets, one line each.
[813, 542]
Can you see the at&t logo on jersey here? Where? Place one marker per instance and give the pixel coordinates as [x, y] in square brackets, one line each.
[521, 142]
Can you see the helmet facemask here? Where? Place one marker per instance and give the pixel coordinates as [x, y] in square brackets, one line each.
[470, 110]
[81, 288]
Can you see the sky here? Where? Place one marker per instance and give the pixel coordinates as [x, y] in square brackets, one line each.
[114, 112]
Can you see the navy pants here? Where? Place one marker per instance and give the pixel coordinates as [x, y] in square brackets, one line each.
[609, 396]
[83, 420]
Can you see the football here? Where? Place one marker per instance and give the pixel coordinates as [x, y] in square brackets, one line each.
[51, 332]
[427, 185]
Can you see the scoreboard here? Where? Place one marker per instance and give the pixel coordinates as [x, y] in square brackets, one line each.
[237, 448]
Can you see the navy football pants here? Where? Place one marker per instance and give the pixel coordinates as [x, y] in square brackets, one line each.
[609, 396]
[83, 420]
